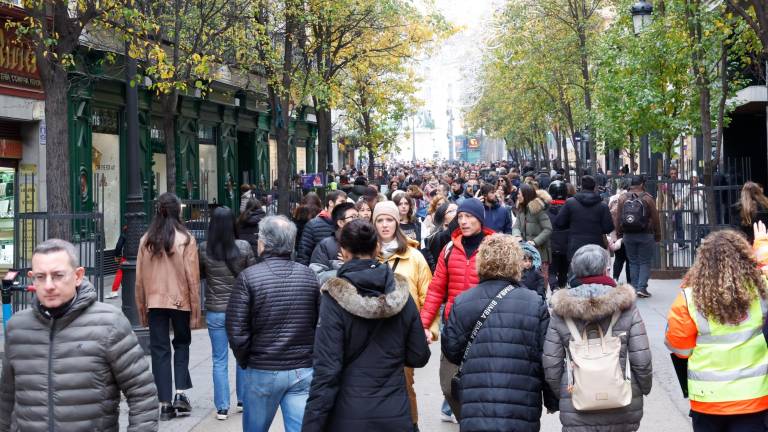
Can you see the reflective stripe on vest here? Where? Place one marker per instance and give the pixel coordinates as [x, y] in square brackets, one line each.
[730, 362]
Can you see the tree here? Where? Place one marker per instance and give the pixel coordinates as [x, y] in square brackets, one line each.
[54, 28]
[192, 32]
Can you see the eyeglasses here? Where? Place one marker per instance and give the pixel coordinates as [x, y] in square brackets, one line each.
[56, 278]
[351, 217]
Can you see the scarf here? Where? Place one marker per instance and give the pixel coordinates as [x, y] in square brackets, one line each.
[388, 249]
[600, 280]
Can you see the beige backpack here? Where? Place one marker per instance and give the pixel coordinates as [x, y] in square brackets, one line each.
[595, 379]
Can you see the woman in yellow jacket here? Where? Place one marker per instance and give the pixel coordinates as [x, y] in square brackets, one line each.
[716, 324]
[404, 258]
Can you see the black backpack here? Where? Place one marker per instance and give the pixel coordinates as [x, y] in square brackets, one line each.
[634, 216]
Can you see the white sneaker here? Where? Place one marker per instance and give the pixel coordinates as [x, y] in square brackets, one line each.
[448, 418]
[112, 295]
[221, 415]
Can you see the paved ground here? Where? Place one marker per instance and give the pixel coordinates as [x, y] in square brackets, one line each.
[665, 409]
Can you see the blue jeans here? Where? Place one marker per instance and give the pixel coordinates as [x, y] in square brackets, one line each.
[220, 355]
[640, 250]
[265, 390]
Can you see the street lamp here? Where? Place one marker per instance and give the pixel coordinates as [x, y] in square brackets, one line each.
[642, 16]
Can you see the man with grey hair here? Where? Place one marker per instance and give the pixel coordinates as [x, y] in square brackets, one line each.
[270, 322]
[68, 358]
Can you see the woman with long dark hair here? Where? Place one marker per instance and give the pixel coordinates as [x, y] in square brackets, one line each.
[370, 331]
[222, 258]
[168, 294]
[248, 224]
[533, 225]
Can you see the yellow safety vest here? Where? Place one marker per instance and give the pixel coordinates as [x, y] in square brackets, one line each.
[730, 361]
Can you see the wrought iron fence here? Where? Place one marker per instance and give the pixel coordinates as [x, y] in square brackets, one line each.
[689, 210]
[86, 233]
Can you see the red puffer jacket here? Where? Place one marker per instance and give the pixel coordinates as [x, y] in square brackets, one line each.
[459, 276]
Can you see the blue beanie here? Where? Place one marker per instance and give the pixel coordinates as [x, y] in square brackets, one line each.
[474, 207]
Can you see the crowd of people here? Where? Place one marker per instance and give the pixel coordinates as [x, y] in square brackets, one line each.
[328, 312]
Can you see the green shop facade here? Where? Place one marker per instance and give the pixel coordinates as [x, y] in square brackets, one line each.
[223, 140]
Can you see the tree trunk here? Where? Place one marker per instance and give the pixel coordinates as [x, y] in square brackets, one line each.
[169, 102]
[724, 82]
[587, 96]
[58, 180]
[324, 137]
[371, 156]
[281, 115]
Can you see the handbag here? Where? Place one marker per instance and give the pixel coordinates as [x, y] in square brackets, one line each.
[456, 380]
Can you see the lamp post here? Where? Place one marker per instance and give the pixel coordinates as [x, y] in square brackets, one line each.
[134, 203]
[642, 17]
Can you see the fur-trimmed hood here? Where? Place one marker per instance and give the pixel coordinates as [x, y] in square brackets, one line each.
[384, 306]
[540, 203]
[592, 302]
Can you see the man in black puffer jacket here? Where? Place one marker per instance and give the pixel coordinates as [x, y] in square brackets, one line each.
[502, 384]
[586, 217]
[270, 321]
[320, 227]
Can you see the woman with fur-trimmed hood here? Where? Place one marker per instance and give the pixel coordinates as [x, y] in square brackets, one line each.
[590, 304]
[369, 330]
[502, 378]
[533, 225]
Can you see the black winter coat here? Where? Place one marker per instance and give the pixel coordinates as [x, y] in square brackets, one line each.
[558, 241]
[503, 378]
[325, 259]
[272, 314]
[356, 192]
[314, 232]
[436, 242]
[369, 330]
[248, 230]
[588, 220]
[533, 280]
[219, 277]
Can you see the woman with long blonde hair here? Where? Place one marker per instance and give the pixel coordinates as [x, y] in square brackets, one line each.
[752, 207]
[715, 324]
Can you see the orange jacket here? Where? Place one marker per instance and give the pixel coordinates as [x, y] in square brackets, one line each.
[680, 338]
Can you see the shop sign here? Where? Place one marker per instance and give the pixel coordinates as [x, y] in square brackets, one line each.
[18, 67]
[10, 148]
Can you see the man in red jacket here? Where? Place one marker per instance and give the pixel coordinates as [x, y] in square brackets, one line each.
[455, 273]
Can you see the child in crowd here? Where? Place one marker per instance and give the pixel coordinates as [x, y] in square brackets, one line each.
[532, 277]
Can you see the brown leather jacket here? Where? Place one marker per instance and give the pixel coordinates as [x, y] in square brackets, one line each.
[169, 282]
[654, 227]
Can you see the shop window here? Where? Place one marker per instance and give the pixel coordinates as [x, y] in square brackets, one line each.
[105, 120]
[209, 189]
[205, 134]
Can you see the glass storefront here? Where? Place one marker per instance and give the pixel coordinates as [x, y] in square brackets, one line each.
[209, 185]
[7, 179]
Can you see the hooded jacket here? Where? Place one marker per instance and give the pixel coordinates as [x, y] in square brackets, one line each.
[436, 242]
[248, 229]
[320, 227]
[534, 224]
[595, 304]
[272, 314]
[219, 278]
[67, 373]
[587, 219]
[558, 241]
[502, 380]
[357, 191]
[368, 331]
[452, 277]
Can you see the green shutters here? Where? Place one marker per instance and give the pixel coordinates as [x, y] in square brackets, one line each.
[229, 189]
[187, 159]
[80, 148]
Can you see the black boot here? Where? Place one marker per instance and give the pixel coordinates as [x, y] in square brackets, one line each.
[166, 411]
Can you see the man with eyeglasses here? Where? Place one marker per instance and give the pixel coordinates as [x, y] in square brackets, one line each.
[68, 358]
[326, 258]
